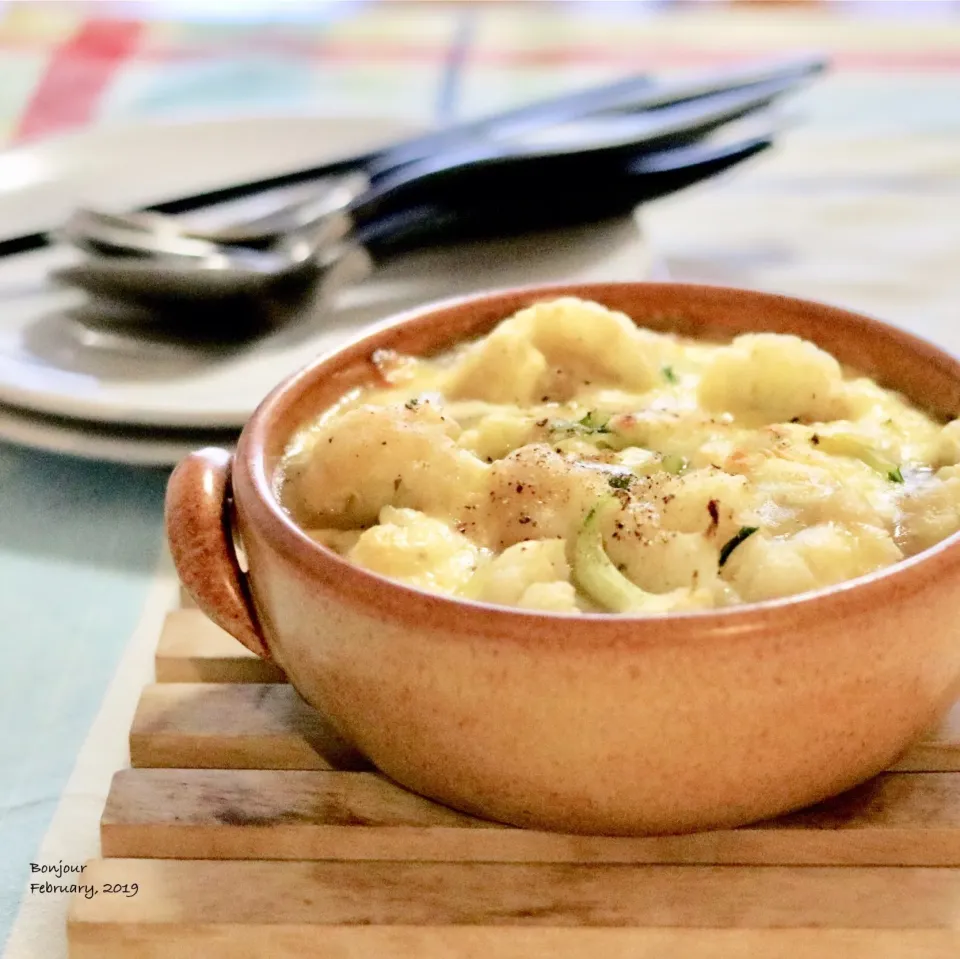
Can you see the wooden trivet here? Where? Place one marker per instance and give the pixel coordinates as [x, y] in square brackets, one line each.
[253, 830]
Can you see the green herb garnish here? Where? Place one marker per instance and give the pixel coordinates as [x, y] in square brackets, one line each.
[671, 463]
[669, 375]
[621, 481]
[594, 423]
[590, 424]
[412, 404]
[844, 444]
[745, 532]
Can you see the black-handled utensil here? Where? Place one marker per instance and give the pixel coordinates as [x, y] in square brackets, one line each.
[158, 285]
[498, 175]
[557, 163]
[636, 180]
[631, 94]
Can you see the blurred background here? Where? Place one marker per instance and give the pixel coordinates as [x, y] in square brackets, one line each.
[69, 64]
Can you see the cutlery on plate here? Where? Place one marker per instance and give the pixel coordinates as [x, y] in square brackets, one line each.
[556, 160]
[326, 198]
[631, 95]
[665, 114]
[215, 272]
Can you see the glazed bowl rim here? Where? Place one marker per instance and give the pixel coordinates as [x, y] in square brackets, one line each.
[256, 496]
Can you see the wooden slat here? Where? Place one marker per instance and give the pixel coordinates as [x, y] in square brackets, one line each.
[114, 941]
[192, 649]
[897, 819]
[234, 726]
[268, 726]
[235, 910]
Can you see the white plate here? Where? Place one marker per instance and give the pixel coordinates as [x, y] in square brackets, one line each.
[48, 365]
[128, 164]
[92, 441]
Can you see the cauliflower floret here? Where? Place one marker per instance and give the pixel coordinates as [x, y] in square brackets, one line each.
[763, 568]
[497, 434]
[930, 512]
[789, 494]
[822, 555]
[706, 501]
[836, 552]
[658, 560]
[888, 421]
[864, 397]
[948, 448]
[556, 597]
[607, 583]
[413, 548]
[504, 367]
[699, 437]
[586, 344]
[774, 377]
[553, 350]
[537, 492]
[508, 578]
[376, 456]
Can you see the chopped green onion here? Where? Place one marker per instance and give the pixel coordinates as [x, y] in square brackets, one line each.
[745, 532]
[659, 463]
[843, 444]
[591, 424]
[671, 463]
[669, 375]
[594, 423]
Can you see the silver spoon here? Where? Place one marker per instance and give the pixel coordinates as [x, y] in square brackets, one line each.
[320, 210]
[188, 268]
[132, 261]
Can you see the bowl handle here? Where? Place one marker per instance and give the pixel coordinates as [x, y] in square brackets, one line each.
[200, 533]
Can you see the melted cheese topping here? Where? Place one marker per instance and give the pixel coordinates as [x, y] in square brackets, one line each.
[570, 461]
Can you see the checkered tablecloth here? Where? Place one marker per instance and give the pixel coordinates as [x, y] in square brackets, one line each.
[82, 578]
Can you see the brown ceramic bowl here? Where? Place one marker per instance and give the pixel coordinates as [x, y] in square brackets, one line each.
[596, 724]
